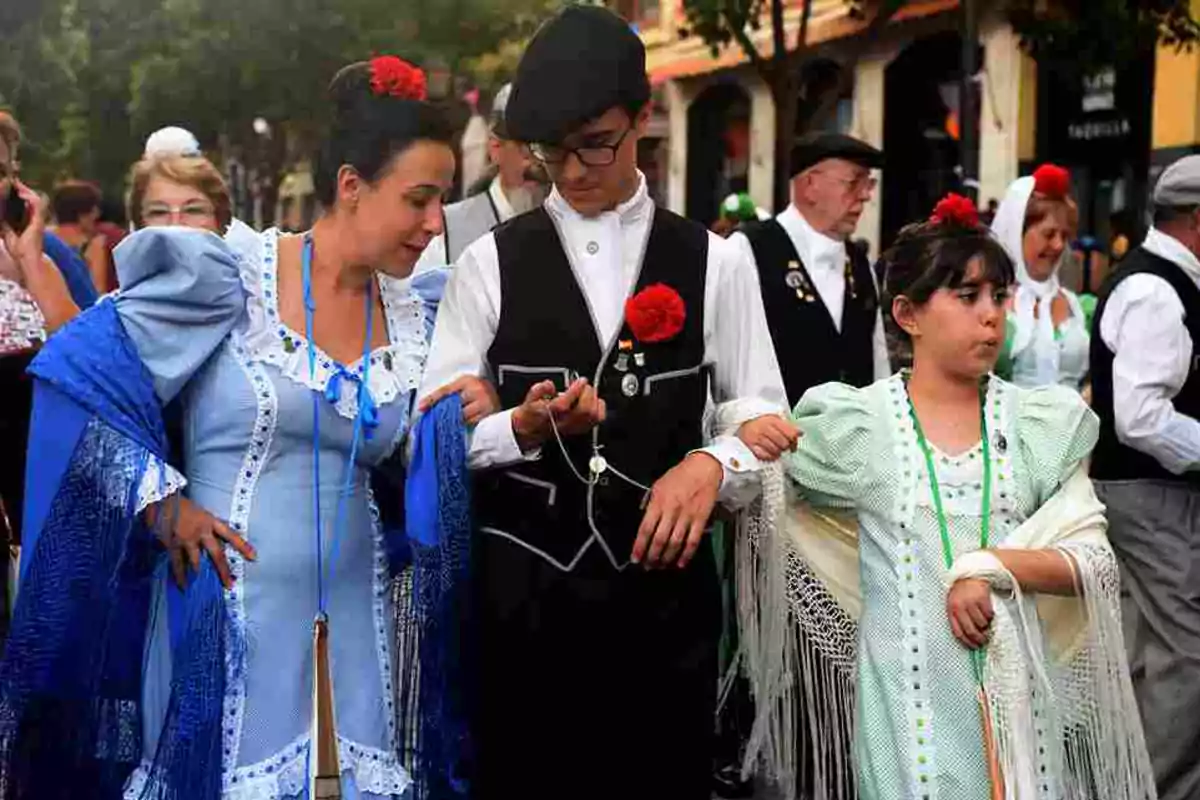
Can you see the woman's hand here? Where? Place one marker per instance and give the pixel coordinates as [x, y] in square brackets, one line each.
[26, 246]
[479, 398]
[190, 529]
[969, 606]
[769, 437]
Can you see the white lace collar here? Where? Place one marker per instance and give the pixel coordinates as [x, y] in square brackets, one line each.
[395, 368]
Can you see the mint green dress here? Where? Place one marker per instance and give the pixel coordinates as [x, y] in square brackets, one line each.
[918, 731]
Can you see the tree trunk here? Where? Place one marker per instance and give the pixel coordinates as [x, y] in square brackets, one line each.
[783, 92]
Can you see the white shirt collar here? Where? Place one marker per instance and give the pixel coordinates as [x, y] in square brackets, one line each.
[1170, 248]
[632, 210]
[815, 249]
[500, 200]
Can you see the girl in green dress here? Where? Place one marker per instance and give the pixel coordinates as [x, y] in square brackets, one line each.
[929, 650]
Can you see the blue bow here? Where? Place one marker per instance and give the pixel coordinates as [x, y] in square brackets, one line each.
[366, 404]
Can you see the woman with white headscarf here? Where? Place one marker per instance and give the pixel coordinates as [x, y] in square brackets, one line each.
[1047, 341]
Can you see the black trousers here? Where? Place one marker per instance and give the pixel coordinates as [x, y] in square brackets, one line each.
[594, 683]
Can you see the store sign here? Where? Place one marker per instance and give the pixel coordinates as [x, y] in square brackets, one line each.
[1098, 118]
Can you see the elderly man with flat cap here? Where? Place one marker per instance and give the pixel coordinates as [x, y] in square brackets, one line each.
[1146, 390]
[605, 323]
[819, 291]
[519, 185]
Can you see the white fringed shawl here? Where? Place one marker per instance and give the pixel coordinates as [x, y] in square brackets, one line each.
[799, 603]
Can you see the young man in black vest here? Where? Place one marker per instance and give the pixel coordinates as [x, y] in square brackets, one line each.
[1146, 390]
[605, 323]
[819, 291]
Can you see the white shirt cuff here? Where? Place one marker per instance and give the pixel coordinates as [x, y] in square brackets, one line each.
[493, 443]
[739, 471]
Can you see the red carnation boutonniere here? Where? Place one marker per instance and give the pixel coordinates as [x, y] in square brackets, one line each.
[954, 209]
[1052, 181]
[656, 313]
[395, 77]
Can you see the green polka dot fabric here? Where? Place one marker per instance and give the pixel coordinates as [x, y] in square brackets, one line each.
[918, 722]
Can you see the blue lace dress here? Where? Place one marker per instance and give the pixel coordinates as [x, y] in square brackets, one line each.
[215, 340]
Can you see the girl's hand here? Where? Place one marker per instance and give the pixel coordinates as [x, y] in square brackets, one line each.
[190, 529]
[769, 436]
[969, 606]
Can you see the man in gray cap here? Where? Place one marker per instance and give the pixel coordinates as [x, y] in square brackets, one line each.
[518, 185]
[819, 292]
[1146, 391]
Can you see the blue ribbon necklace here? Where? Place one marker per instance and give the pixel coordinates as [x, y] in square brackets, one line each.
[324, 762]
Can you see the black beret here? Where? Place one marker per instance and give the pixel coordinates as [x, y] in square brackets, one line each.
[582, 62]
[813, 148]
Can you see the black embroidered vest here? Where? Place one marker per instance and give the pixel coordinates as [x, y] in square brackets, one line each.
[655, 392]
[1112, 460]
[810, 349]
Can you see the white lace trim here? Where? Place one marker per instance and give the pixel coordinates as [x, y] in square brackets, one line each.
[395, 368]
[380, 586]
[159, 481]
[244, 487]
[286, 773]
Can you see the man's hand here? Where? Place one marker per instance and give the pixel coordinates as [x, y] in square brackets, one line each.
[680, 504]
[969, 606]
[479, 398]
[186, 530]
[575, 411]
[769, 437]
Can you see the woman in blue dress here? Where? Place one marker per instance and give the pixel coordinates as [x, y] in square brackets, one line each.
[295, 359]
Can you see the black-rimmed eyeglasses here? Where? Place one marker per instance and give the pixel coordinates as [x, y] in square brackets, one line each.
[595, 155]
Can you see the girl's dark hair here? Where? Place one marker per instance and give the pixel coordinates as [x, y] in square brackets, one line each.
[929, 256]
[369, 129]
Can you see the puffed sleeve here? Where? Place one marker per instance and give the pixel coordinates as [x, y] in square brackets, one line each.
[1057, 432]
[831, 461]
[430, 284]
[181, 295]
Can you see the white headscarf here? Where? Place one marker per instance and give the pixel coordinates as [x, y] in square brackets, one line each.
[1035, 322]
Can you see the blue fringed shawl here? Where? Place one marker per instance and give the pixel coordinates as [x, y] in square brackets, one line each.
[437, 508]
[71, 674]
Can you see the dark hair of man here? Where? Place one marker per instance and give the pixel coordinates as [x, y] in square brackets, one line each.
[368, 130]
[1167, 215]
[74, 199]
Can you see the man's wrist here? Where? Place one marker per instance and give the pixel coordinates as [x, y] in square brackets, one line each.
[710, 462]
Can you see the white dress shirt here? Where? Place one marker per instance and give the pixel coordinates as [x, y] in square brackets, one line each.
[1143, 325]
[825, 261]
[605, 252]
[434, 256]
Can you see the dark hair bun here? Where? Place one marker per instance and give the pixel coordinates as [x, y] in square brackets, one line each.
[374, 119]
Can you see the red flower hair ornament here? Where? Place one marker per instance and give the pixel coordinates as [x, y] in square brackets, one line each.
[656, 313]
[956, 210]
[1052, 181]
[394, 77]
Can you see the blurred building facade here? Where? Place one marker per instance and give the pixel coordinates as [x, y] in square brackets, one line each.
[1115, 130]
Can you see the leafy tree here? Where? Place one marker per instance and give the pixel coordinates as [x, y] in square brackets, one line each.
[724, 22]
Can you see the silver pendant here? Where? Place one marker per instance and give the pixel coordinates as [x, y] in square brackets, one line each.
[622, 364]
[794, 280]
[639, 359]
[597, 464]
[325, 771]
[630, 385]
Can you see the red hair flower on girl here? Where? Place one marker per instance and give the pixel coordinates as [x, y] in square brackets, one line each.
[396, 77]
[954, 209]
[656, 313]
[1051, 181]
